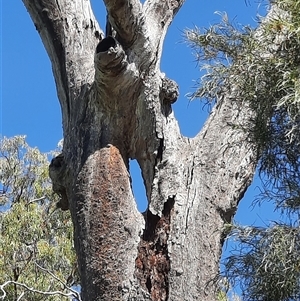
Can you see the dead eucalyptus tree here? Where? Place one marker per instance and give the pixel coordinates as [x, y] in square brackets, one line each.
[117, 105]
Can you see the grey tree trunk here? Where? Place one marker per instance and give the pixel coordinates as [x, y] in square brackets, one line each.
[117, 105]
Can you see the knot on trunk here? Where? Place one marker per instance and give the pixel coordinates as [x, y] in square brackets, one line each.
[105, 44]
[57, 173]
[110, 58]
[169, 91]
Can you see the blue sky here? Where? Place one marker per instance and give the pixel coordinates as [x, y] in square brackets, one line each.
[29, 104]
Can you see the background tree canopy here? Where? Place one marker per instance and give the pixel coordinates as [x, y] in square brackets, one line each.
[36, 239]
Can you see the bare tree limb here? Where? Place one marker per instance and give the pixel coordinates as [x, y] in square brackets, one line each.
[126, 18]
[162, 9]
[58, 279]
[37, 200]
[140, 27]
[225, 146]
[52, 275]
[48, 21]
[21, 296]
[72, 294]
[160, 13]
[71, 54]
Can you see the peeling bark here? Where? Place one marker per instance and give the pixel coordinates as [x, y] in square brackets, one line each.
[116, 106]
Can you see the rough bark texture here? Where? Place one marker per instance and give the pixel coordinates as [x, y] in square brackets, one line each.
[116, 105]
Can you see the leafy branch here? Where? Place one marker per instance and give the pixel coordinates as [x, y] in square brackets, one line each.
[265, 263]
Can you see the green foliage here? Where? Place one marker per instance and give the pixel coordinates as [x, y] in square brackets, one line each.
[24, 172]
[36, 247]
[267, 263]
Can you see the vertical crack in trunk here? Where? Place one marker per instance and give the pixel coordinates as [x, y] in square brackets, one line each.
[153, 262]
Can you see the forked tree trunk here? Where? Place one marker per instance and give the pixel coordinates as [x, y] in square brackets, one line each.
[117, 105]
